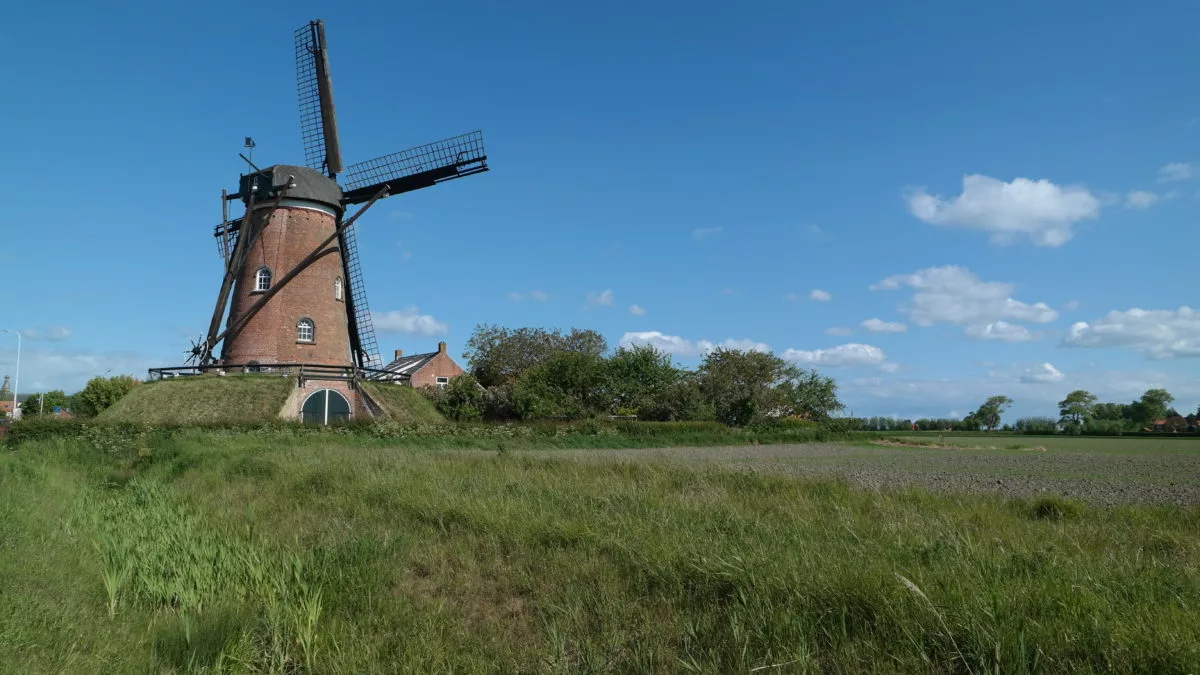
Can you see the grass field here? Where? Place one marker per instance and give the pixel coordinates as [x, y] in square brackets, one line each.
[403, 403]
[265, 553]
[202, 399]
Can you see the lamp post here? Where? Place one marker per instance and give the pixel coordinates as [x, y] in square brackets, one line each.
[17, 376]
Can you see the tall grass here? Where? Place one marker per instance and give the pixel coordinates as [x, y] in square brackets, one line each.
[261, 553]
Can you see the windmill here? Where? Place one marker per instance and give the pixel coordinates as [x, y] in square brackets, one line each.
[293, 256]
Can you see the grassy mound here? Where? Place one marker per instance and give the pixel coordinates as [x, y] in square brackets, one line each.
[273, 552]
[404, 404]
[203, 399]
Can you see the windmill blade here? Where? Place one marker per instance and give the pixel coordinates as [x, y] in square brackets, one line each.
[416, 168]
[314, 86]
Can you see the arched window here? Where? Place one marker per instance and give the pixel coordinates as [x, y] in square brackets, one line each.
[306, 330]
[262, 280]
[338, 293]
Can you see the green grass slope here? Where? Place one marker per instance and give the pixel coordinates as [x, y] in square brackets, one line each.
[277, 552]
[201, 399]
[404, 404]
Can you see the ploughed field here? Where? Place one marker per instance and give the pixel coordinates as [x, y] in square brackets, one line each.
[277, 552]
[1092, 470]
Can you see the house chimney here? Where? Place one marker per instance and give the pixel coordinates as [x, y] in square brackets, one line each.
[399, 353]
[441, 347]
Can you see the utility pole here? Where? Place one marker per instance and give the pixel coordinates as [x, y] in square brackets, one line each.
[17, 376]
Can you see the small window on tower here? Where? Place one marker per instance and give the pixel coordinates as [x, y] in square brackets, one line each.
[337, 289]
[262, 280]
[306, 331]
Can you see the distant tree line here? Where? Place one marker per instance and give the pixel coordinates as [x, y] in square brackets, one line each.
[1081, 412]
[540, 374]
[97, 395]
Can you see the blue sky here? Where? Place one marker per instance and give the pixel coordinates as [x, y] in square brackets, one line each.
[1003, 192]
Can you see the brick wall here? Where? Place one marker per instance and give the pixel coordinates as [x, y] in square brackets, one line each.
[288, 236]
[440, 366]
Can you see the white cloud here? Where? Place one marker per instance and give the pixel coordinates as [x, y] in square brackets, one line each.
[51, 334]
[838, 330]
[408, 322]
[820, 295]
[1140, 199]
[540, 296]
[705, 232]
[1040, 210]
[1042, 373]
[1071, 305]
[954, 295]
[1160, 334]
[601, 299]
[881, 326]
[792, 297]
[851, 354]
[637, 310]
[678, 346]
[999, 330]
[1175, 171]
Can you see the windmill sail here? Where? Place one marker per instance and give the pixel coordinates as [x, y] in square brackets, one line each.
[362, 330]
[416, 168]
[314, 86]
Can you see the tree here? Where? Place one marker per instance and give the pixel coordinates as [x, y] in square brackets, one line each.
[1041, 425]
[1077, 407]
[102, 392]
[568, 385]
[747, 386]
[43, 404]
[636, 376]
[462, 400]
[990, 412]
[1151, 406]
[496, 355]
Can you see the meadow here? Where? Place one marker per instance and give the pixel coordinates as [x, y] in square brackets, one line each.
[203, 551]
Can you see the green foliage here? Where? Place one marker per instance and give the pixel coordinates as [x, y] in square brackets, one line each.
[638, 378]
[565, 385]
[100, 393]
[1077, 408]
[744, 387]
[328, 555]
[461, 400]
[988, 415]
[497, 355]
[1151, 406]
[1037, 425]
[43, 404]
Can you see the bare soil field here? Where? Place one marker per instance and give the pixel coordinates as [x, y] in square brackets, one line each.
[1116, 471]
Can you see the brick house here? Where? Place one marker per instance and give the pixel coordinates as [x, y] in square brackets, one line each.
[434, 369]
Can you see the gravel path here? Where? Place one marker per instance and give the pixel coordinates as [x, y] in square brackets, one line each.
[1161, 477]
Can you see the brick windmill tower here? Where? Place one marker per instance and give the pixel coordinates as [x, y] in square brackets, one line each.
[293, 285]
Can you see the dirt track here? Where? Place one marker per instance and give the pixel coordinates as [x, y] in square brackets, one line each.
[1100, 478]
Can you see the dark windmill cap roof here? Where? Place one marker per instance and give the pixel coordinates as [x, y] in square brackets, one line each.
[309, 184]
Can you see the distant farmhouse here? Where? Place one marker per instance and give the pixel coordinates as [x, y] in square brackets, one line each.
[434, 369]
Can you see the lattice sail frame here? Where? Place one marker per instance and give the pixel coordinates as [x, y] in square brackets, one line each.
[448, 158]
[318, 126]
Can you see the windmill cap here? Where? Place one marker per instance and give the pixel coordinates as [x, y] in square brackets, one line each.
[306, 184]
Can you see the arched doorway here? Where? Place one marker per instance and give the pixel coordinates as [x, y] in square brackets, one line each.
[325, 406]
